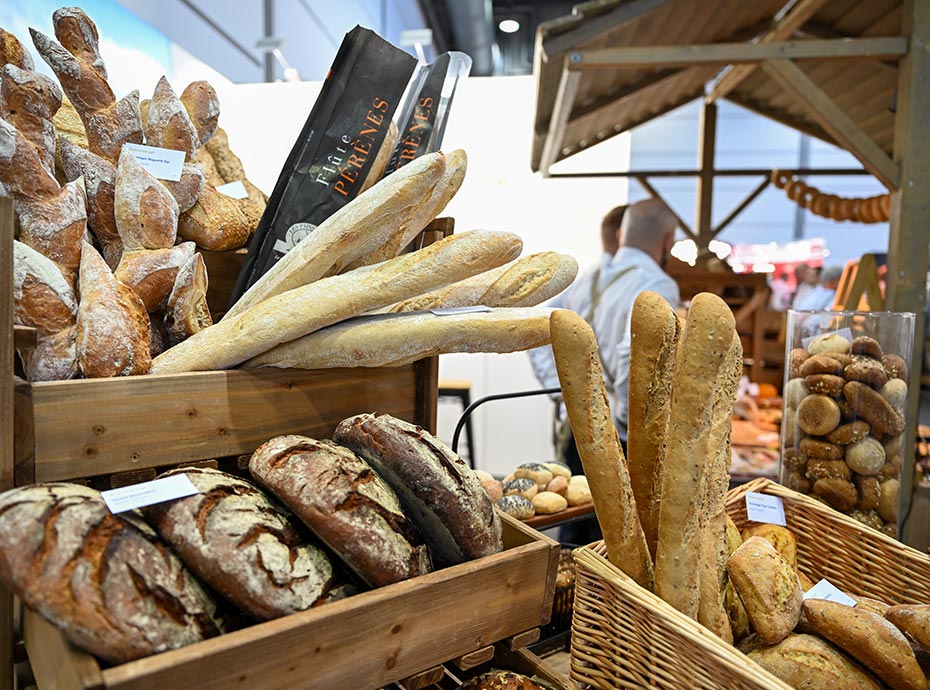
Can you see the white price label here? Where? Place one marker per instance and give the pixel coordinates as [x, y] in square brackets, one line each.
[234, 190]
[826, 590]
[148, 493]
[460, 310]
[165, 164]
[765, 508]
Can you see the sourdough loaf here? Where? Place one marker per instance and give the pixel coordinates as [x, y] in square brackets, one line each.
[347, 504]
[807, 661]
[436, 487]
[187, 311]
[151, 273]
[214, 222]
[243, 545]
[105, 580]
[203, 108]
[146, 212]
[29, 101]
[395, 340]
[167, 123]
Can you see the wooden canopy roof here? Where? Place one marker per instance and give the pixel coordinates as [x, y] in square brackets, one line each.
[825, 67]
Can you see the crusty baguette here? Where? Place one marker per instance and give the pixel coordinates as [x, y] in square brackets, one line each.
[702, 353]
[654, 333]
[526, 282]
[357, 228]
[392, 340]
[325, 302]
[585, 395]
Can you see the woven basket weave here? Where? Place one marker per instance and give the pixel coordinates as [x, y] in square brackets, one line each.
[626, 637]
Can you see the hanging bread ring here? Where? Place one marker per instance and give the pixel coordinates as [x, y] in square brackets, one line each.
[845, 210]
[834, 208]
[876, 205]
[886, 206]
[866, 210]
[821, 205]
[780, 178]
[807, 197]
[795, 189]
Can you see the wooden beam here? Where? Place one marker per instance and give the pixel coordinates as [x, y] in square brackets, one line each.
[654, 193]
[761, 187]
[596, 26]
[833, 120]
[6, 419]
[910, 208]
[561, 111]
[791, 22]
[704, 201]
[630, 57]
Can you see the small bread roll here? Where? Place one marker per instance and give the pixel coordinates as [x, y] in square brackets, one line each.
[521, 486]
[780, 537]
[578, 479]
[548, 502]
[866, 456]
[578, 494]
[537, 472]
[516, 506]
[558, 485]
[558, 469]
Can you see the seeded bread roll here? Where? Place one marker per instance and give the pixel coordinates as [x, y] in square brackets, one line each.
[435, 486]
[346, 503]
[583, 389]
[516, 506]
[243, 545]
[105, 580]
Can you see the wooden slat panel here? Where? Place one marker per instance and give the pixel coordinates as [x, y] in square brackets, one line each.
[88, 427]
[55, 662]
[6, 419]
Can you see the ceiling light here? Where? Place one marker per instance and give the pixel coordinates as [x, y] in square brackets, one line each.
[509, 26]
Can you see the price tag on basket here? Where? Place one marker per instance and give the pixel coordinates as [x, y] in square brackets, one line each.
[148, 493]
[765, 508]
[826, 590]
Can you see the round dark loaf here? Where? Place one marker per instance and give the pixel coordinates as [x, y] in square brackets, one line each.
[435, 485]
[502, 680]
[243, 545]
[338, 496]
[111, 585]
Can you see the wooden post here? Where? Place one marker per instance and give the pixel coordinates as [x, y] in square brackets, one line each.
[707, 144]
[6, 418]
[910, 211]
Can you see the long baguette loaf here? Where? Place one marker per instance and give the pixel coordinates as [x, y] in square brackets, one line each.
[702, 353]
[306, 309]
[360, 226]
[395, 340]
[585, 395]
[526, 282]
[654, 333]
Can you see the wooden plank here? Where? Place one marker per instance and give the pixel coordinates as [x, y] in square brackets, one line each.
[569, 514]
[423, 679]
[368, 640]
[654, 193]
[910, 208]
[111, 425]
[222, 272]
[593, 27]
[791, 22]
[55, 662]
[24, 468]
[822, 109]
[704, 197]
[561, 111]
[640, 57]
[525, 662]
[472, 659]
[524, 639]
[7, 449]
[24, 337]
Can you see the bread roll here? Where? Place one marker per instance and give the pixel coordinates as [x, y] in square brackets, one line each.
[105, 580]
[585, 395]
[112, 324]
[806, 661]
[359, 227]
[243, 545]
[304, 310]
[780, 537]
[700, 366]
[187, 311]
[516, 506]
[151, 273]
[435, 486]
[654, 333]
[395, 340]
[913, 620]
[348, 505]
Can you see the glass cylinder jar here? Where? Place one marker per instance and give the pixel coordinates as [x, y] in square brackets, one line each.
[845, 410]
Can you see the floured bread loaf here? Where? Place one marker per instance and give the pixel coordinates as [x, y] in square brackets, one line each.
[436, 487]
[348, 505]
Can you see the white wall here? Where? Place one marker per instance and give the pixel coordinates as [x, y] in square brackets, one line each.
[491, 119]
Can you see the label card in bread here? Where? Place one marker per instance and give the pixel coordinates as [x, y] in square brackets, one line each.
[765, 508]
[148, 493]
[452, 311]
[165, 164]
[234, 190]
[827, 590]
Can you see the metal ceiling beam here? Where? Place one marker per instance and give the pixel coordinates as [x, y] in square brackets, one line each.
[631, 57]
[802, 11]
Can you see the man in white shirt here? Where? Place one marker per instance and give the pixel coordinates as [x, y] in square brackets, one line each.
[823, 295]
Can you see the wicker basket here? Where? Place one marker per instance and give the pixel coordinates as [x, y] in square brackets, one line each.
[626, 637]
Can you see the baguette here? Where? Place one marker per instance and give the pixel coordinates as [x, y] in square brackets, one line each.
[526, 282]
[395, 340]
[585, 394]
[654, 333]
[317, 305]
[702, 356]
[357, 228]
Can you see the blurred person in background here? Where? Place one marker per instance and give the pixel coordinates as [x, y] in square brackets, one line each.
[806, 278]
[780, 298]
[822, 296]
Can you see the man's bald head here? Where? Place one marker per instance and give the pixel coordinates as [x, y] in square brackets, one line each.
[610, 229]
[649, 226]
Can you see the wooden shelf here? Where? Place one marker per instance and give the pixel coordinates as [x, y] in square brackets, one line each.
[561, 518]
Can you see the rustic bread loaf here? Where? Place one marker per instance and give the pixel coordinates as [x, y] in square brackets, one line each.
[243, 545]
[214, 222]
[112, 324]
[807, 661]
[68, 126]
[203, 108]
[227, 167]
[436, 487]
[167, 124]
[693, 440]
[868, 637]
[502, 680]
[106, 581]
[151, 273]
[304, 310]
[359, 227]
[56, 225]
[395, 340]
[54, 358]
[146, 212]
[579, 366]
[188, 189]
[654, 333]
[346, 503]
[187, 311]
[22, 174]
[913, 620]
[782, 538]
[42, 297]
[29, 101]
